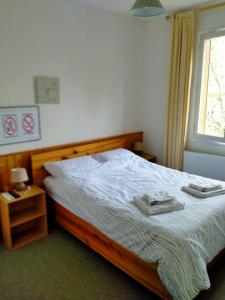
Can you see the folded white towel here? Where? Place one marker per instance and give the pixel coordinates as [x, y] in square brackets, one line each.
[158, 199]
[199, 194]
[205, 187]
[148, 210]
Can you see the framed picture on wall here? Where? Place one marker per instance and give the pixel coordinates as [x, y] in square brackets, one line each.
[46, 90]
[19, 124]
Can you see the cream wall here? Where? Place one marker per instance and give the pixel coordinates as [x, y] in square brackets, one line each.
[158, 37]
[113, 70]
[98, 57]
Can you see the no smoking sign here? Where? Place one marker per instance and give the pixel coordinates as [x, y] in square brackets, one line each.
[28, 123]
[19, 124]
[9, 125]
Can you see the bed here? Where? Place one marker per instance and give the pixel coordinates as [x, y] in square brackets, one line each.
[129, 258]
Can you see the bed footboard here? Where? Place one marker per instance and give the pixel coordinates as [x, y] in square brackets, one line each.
[143, 272]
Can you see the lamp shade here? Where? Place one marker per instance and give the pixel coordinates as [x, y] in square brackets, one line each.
[138, 146]
[19, 175]
[147, 8]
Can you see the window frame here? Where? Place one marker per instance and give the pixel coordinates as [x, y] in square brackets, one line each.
[202, 37]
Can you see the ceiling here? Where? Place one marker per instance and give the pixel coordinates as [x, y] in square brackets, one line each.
[123, 6]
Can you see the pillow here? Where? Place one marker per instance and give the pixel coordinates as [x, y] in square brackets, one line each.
[79, 165]
[115, 154]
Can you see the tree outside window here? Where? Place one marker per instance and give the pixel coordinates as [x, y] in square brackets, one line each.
[211, 119]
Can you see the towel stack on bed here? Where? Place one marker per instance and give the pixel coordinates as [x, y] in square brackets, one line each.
[158, 204]
[204, 190]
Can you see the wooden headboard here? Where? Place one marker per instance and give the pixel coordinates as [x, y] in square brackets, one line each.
[83, 148]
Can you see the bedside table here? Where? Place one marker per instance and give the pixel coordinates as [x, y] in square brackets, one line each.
[23, 219]
[148, 157]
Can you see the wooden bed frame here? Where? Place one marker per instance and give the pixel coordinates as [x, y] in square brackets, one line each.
[144, 273]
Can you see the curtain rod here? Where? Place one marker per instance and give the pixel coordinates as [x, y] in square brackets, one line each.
[204, 9]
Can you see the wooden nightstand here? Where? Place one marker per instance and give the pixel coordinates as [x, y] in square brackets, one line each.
[148, 157]
[24, 219]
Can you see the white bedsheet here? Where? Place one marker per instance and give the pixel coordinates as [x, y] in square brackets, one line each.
[182, 242]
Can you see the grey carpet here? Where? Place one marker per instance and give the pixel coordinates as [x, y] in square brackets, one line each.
[59, 267]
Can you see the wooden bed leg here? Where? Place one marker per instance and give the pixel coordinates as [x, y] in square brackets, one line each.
[167, 297]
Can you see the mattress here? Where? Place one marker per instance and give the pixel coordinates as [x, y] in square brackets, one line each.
[182, 243]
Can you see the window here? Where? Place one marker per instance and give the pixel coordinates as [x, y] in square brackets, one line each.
[206, 122]
[210, 117]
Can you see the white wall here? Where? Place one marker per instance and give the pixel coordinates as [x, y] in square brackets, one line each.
[158, 37]
[156, 84]
[113, 70]
[98, 57]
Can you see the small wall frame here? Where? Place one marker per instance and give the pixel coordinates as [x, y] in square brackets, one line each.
[46, 90]
[19, 124]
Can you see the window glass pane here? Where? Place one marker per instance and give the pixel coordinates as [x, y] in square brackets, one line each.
[212, 103]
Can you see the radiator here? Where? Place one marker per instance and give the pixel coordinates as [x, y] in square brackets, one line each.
[207, 165]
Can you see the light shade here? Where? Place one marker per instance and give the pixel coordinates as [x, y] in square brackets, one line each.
[19, 175]
[138, 146]
[147, 8]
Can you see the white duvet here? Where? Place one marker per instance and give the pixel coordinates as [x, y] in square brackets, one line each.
[181, 242]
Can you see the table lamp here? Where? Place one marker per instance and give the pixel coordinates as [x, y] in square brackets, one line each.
[18, 177]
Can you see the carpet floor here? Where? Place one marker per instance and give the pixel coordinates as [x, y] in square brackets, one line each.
[59, 267]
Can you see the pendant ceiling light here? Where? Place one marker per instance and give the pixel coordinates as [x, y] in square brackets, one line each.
[147, 8]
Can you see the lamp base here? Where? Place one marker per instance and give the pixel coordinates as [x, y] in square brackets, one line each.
[21, 186]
